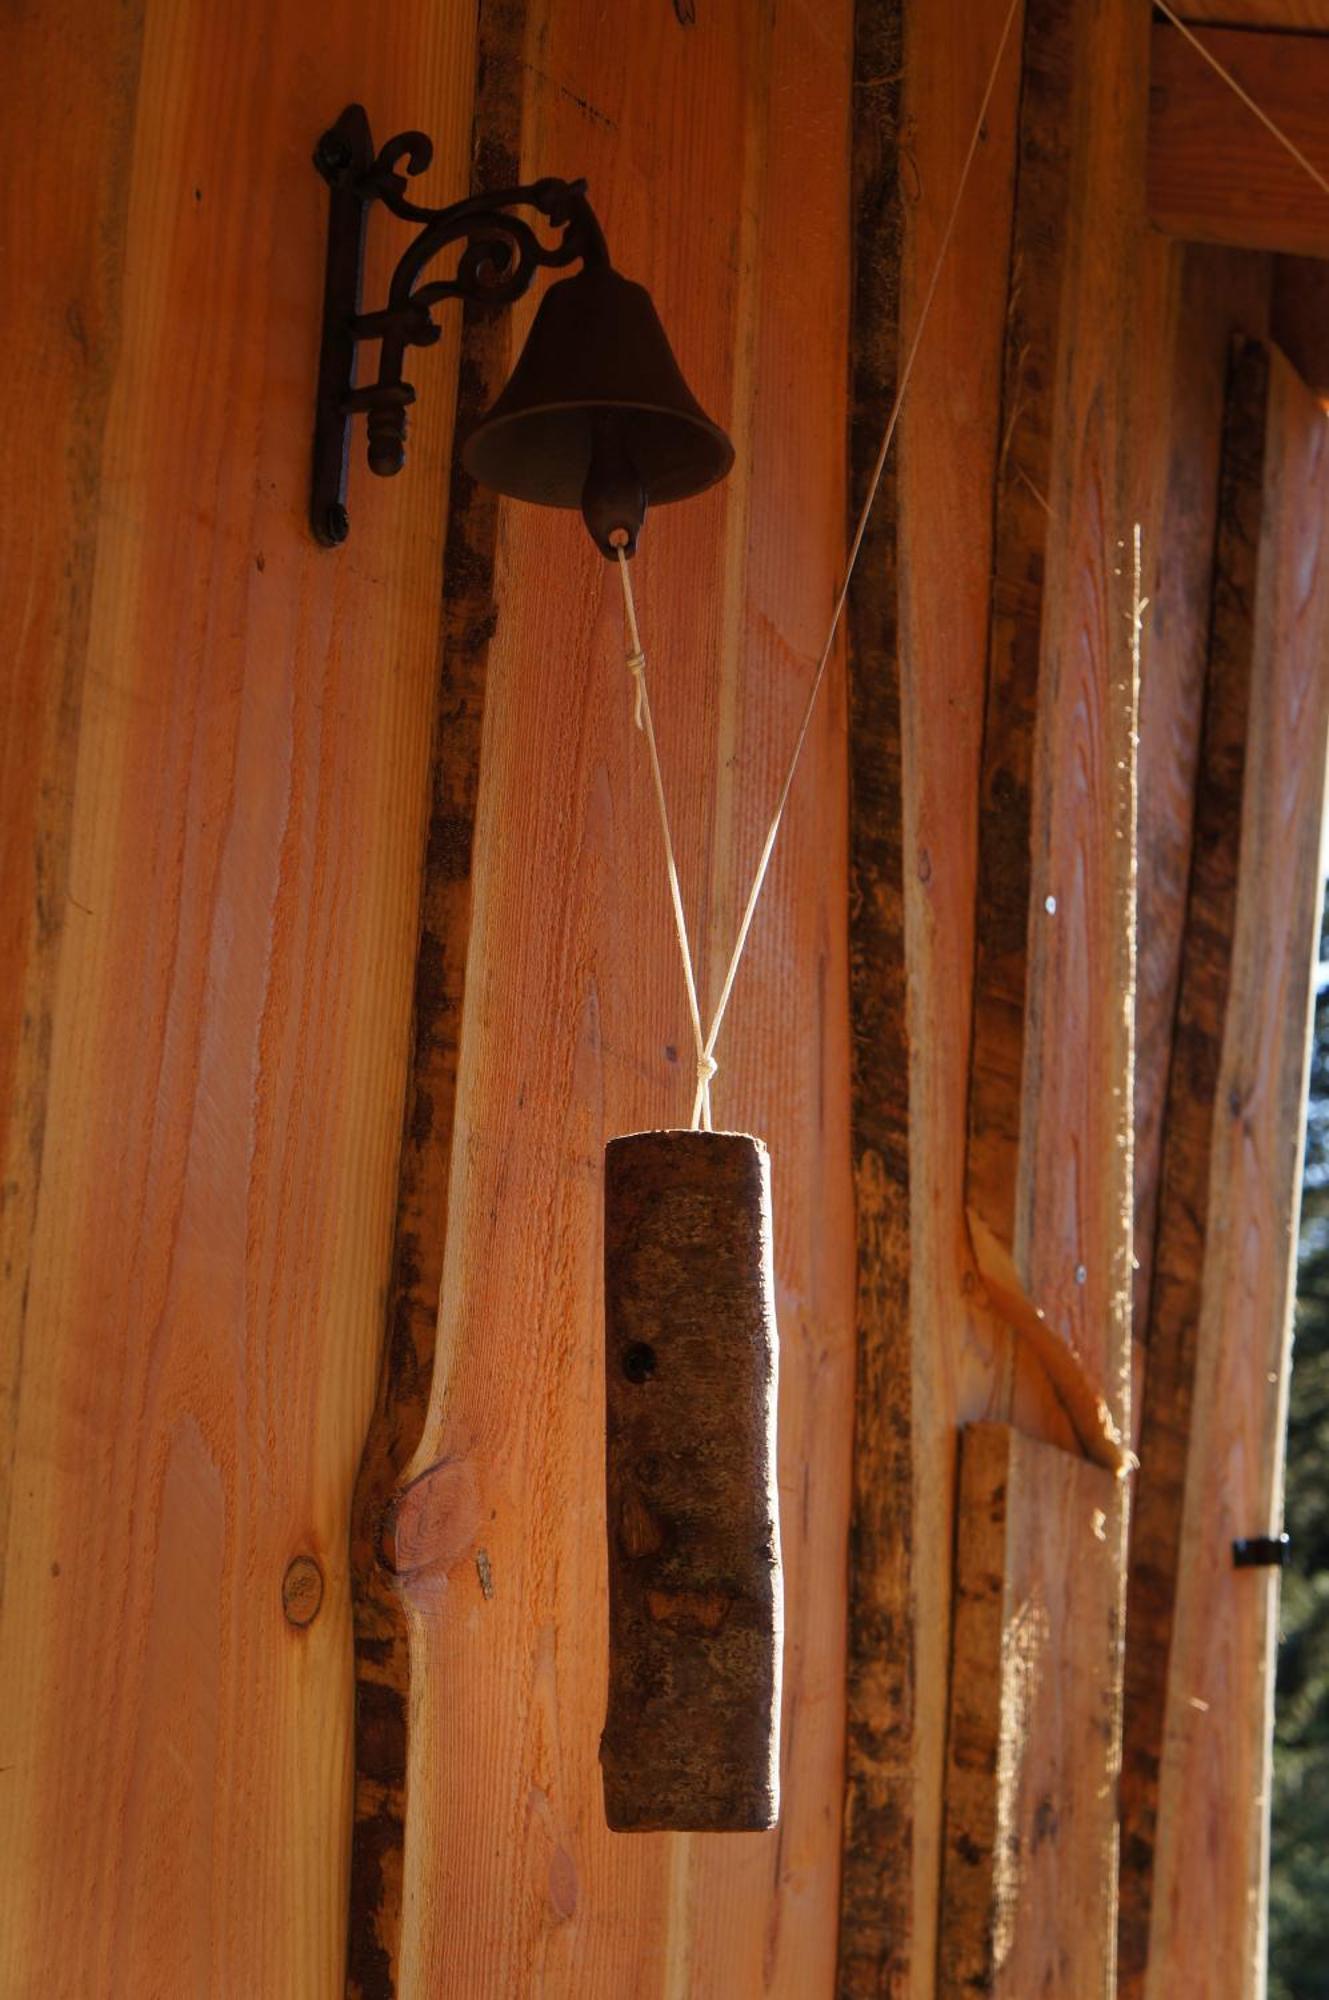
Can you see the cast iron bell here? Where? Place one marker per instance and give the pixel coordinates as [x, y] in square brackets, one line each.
[597, 415]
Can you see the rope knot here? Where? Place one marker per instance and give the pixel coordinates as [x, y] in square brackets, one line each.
[637, 668]
[707, 1067]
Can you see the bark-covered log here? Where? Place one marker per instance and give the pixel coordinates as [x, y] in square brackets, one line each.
[692, 1737]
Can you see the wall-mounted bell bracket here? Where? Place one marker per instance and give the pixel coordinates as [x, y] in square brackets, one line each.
[501, 257]
[596, 414]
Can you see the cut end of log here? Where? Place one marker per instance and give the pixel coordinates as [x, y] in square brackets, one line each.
[691, 1739]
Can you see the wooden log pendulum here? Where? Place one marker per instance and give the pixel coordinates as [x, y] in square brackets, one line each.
[691, 1740]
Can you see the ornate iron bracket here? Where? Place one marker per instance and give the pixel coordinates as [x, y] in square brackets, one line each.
[502, 256]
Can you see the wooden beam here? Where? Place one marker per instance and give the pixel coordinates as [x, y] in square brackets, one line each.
[379, 1577]
[1049, 1124]
[1299, 318]
[929, 1353]
[876, 1924]
[1200, 1636]
[1038, 260]
[1216, 174]
[1303, 16]
[216, 803]
[1028, 1889]
[69, 276]
[1221, 292]
[574, 1029]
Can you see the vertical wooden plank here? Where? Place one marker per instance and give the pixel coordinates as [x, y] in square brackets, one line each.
[1049, 1170]
[574, 1029]
[1299, 318]
[1051, 1031]
[1217, 175]
[876, 1892]
[1202, 1634]
[75, 76]
[1222, 292]
[470, 614]
[1021, 515]
[1072, 1241]
[929, 1355]
[210, 1211]
[1027, 1904]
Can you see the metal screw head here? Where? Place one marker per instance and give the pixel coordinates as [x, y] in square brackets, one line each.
[332, 155]
[336, 525]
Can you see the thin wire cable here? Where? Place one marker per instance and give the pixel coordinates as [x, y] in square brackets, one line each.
[706, 1064]
[773, 832]
[1269, 124]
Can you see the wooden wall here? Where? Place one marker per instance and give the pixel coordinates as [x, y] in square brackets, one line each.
[1015, 790]
[717, 153]
[217, 752]
[332, 890]
[1012, 724]
[219, 740]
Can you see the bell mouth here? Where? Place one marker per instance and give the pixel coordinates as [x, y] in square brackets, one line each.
[544, 455]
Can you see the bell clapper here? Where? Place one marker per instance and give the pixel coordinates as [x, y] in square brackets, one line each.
[613, 500]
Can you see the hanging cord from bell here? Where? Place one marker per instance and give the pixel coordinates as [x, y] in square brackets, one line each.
[706, 1064]
[705, 1041]
[874, 483]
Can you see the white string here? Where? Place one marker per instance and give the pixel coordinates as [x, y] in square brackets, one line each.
[1245, 96]
[706, 1063]
[768, 846]
[705, 1043]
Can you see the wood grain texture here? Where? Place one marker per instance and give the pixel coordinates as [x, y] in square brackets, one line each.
[1072, 1240]
[1028, 1894]
[1178, 1261]
[1301, 16]
[1216, 174]
[1021, 520]
[1220, 293]
[218, 1014]
[382, 1648]
[1299, 318]
[876, 1894]
[929, 1352]
[574, 1029]
[1049, 1114]
[1049, 1173]
[1200, 1658]
[691, 1740]
[63, 316]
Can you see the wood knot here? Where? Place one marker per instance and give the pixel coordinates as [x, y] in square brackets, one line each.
[302, 1591]
[432, 1523]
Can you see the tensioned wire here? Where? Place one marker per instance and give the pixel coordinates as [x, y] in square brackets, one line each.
[704, 1041]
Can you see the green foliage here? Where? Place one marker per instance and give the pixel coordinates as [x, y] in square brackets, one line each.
[1299, 1871]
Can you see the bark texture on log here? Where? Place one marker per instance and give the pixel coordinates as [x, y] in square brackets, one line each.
[692, 1737]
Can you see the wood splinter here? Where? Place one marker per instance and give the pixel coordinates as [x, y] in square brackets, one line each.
[692, 1736]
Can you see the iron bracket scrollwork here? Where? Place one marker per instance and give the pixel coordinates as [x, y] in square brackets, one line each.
[501, 256]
